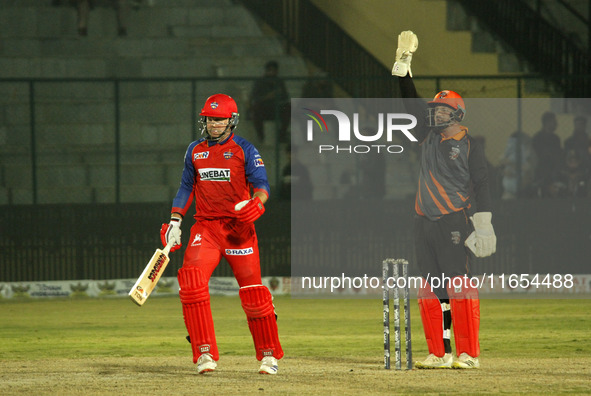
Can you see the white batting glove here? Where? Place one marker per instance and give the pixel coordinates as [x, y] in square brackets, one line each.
[408, 42]
[483, 241]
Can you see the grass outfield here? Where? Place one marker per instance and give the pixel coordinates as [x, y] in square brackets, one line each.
[332, 347]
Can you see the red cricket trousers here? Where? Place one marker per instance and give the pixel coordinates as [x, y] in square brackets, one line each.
[229, 238]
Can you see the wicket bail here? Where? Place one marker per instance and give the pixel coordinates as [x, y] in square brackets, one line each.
[396, 303]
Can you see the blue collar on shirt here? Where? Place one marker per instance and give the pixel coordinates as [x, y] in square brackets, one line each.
[226, 140]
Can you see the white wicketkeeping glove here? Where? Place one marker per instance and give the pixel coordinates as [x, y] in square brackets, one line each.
[408, 43]
[483, 241]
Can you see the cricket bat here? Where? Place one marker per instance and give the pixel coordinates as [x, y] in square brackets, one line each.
[147, 281]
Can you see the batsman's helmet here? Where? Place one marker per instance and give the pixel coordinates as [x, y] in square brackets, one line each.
[220, 106]
[450, 99]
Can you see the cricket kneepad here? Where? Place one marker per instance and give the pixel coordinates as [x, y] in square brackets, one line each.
[193, 286]
[432, 318]
[194, 294]
[465, 314]
[257, 303]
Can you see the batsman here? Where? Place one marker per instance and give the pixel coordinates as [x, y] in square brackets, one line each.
[453, 184]
[225, 175]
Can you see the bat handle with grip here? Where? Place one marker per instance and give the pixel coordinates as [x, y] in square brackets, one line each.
[169, 245]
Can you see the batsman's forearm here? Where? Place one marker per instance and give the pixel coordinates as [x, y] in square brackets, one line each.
[262, 195]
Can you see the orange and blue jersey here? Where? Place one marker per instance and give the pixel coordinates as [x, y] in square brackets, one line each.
[454, 172]
[444, 178]
[218, 176]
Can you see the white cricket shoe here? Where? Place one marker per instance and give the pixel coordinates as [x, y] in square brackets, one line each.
[205, 364]
[269, 365]
[466, 361]
[435, 362]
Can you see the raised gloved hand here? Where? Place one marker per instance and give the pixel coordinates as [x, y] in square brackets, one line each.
[249, 210]
[483, 241]
[171, 230]
[408, 43]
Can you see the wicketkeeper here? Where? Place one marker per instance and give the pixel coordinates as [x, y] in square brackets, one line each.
[220, 171]
[452, 179]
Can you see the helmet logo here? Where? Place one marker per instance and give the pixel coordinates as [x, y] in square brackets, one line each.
[214, 105]
[443, 94]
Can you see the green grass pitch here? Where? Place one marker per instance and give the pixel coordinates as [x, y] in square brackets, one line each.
[332, 347]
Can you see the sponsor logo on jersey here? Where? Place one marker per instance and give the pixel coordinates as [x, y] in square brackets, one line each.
[215, 174]
[258, 162]
[196, 240]
[454, 153]
[202, 155]
[455, 237]
[240, 252]
[228, 154]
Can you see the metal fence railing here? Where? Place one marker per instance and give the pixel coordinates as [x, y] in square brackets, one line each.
[88, 169]
[301, 22]
[110, 241]
[537, 41]
[122, 140]
[109, 140]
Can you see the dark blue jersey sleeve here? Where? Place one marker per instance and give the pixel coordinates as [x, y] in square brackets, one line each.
[254, 167]
[184, 195]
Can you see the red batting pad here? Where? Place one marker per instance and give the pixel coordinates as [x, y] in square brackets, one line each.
[194, 295]
[432, 318]
[465, 316]
[257, 303]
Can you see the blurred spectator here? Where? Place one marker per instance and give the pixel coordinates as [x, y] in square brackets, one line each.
[548, 151]
[84, 7]
[269, 101]
[295, 178]
[318, 91]
[136, 4]
[572, 180]
[493, 173]
[517, 166]
[579, 141]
